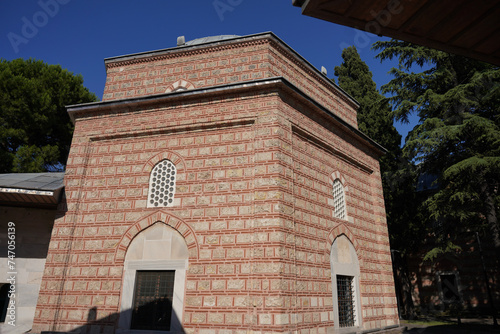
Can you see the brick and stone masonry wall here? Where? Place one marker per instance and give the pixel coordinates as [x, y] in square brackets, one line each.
[312, 165]
[253, 173]
[256, 58]
[432, 296]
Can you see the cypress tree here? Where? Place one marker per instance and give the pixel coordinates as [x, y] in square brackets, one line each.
[398, 174]
[375, 120]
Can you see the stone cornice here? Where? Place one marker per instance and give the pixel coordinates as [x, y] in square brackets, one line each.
[268, 85]
[159, 55]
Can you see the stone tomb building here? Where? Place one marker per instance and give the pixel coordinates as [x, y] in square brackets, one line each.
[221, 186]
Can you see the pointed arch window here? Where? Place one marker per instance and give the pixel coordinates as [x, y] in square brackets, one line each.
[162, 184]
[345, 285]
[154, 279]
[339, 200]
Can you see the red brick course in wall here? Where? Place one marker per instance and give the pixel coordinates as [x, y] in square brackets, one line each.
[254, 160]
[432, 296]
[248, 58]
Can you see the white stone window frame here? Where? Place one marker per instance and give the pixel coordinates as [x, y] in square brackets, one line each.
[155, 187]
[344, 268]
[129, 277]
[336, 180]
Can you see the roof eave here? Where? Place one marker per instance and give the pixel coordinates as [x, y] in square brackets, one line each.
[126, 104]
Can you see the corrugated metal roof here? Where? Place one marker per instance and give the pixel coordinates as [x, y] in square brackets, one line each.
[33, 181]
[31, 189]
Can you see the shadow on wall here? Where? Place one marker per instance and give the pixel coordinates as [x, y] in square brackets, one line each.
[156, 315]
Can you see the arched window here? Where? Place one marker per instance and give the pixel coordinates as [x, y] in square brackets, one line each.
[162, 184]
[154, 281]
[339, 210]
[179, 85]
[345, 284]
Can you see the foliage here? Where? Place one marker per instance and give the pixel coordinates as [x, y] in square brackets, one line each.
[35, 129]
[457, 137]
[375, 119]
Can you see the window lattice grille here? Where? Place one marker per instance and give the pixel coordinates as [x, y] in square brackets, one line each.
[449, 288]
[338, 200]
[162, 184]
[345, 296]
[153, 295]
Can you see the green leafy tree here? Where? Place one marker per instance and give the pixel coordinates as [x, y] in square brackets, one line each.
[35, 129]
[457, 138]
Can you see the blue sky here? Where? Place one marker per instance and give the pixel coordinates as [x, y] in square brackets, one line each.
[79, 34]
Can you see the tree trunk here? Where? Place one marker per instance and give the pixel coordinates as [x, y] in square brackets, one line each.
[492, 221]
[403, 287]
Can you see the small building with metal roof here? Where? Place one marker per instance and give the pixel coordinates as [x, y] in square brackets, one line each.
[29, 204]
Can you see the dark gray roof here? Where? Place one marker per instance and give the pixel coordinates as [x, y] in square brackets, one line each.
[32, 181]
[210, 39]
[31, 189]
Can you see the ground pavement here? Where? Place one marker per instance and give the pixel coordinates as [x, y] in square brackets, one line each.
[468, 326]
